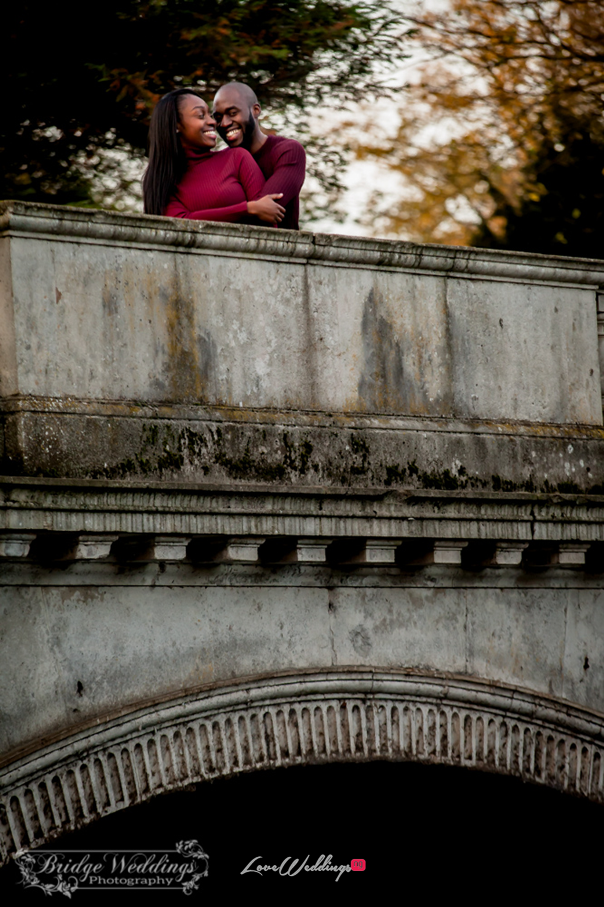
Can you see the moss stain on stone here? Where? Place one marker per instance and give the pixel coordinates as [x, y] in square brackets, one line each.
[360, 450]
[249, 452]
[500, 484]
[296, 459]
[395, 475]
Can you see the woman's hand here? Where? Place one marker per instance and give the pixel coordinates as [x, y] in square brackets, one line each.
[267, 209]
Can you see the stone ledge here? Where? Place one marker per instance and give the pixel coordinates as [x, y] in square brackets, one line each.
[142, 493]
[85, 225]
[126, 508]
[220, 414]
[381, 451]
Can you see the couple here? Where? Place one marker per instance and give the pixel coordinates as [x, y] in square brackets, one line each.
[256, 180]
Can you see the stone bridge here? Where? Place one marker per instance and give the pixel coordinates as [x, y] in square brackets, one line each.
[271, 498]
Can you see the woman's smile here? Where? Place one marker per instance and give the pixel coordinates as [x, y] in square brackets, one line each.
[196, 126]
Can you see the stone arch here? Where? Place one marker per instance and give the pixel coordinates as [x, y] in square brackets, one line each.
[264, 722]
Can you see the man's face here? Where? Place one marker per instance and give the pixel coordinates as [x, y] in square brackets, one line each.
[236, 123]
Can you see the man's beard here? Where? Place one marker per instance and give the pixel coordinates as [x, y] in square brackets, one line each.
[248, 133]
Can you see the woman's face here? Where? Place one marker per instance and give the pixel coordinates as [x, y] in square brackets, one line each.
[196, 126]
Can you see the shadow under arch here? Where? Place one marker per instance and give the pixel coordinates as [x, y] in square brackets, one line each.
[343, 715]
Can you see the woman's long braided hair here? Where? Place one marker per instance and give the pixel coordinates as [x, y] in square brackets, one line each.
[167, 159]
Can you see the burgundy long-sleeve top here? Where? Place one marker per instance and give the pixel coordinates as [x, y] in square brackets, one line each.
[217, 186]
[283, 163]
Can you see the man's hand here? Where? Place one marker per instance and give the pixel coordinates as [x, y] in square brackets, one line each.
[267, 209]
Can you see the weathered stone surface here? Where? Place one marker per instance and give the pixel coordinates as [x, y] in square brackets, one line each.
[109, 328]
[16, 544]
[63, 507]
[273, 498]
[92, 651]
[601, 338]
[302, 450]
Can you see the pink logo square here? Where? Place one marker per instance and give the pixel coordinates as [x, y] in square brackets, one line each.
[357, 865]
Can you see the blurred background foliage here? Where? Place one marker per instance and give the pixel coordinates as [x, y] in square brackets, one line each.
[83, 81]
[500, 136]
[496, 139]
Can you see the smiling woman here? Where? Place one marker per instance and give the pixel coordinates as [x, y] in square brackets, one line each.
[186, 179]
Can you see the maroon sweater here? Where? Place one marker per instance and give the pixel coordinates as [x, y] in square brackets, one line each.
[283, 163]
[217, 186]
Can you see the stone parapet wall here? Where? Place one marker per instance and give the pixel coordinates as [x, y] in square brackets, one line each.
[112, 324]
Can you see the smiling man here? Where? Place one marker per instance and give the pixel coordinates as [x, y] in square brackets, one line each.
[282, 161]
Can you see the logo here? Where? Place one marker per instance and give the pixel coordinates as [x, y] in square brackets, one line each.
[292, 866]
[357, 865]
[68, 871]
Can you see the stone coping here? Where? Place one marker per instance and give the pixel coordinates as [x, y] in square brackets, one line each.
[49, 486]
[102, 226]
[202, 412]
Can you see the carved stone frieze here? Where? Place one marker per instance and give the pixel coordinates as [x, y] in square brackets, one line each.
[340, 716]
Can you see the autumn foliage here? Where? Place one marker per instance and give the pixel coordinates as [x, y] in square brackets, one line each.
[501, 139]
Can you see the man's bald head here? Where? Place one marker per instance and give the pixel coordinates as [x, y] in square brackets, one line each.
[238, 91]
[236, 111]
